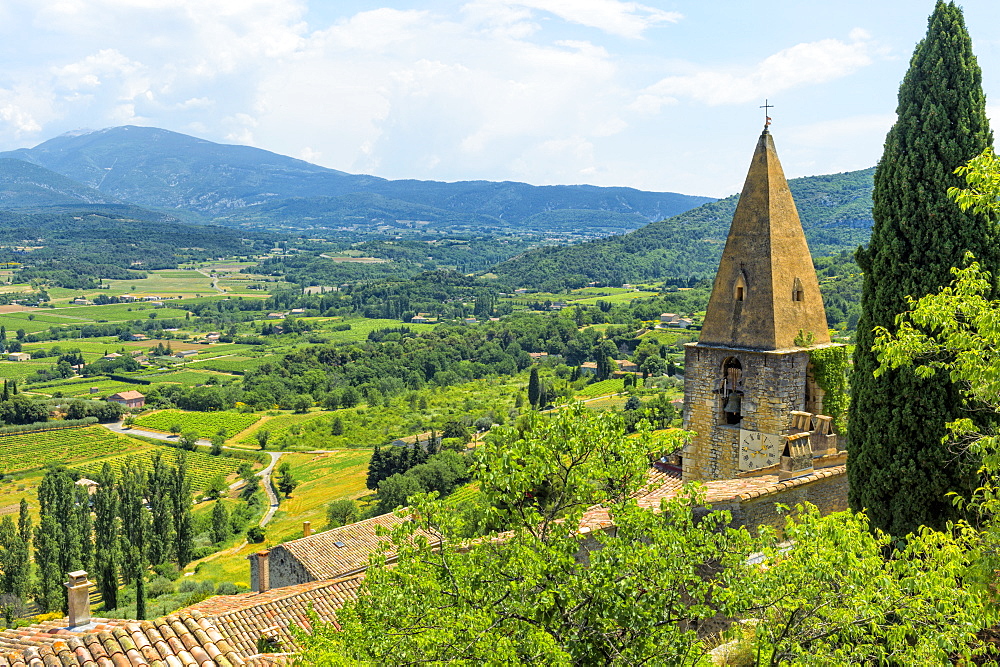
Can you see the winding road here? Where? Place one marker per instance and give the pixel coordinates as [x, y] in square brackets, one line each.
[265, 474]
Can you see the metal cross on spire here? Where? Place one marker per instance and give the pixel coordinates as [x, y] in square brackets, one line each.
[765, 106]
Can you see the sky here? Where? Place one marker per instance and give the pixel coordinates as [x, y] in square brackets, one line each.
[657, 95]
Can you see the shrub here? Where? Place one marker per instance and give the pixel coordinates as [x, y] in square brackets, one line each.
[159, 586]
[227, 588]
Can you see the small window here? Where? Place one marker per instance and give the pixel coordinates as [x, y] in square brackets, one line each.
[740, 287]
[797, 293]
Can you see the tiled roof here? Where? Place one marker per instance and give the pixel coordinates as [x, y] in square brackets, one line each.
[247, 617]
[321, 556]
[128, 395]
[665, 485]
[172, 641]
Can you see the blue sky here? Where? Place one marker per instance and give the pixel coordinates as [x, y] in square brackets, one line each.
[657, 95]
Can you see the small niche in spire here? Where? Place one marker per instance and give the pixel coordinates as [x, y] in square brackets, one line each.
[740, 288]
[797, 293]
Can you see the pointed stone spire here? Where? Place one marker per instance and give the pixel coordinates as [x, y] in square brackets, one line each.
[766, 290]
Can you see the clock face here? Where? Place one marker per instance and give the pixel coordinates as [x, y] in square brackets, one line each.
[759, 450]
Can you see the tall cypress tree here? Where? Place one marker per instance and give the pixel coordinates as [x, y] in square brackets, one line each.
[533, 388]
[898, 469]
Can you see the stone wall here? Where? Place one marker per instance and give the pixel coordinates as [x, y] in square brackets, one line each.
[827, 490]
[283, 570]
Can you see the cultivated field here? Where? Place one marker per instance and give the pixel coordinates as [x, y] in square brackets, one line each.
[70, 445]
[324, 478]
[202, 468]
[206, 424]
[601, 388]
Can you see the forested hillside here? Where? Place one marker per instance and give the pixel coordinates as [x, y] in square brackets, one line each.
[79, 248]
[835, 211]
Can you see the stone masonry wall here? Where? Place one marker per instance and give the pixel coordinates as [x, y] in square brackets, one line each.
[829, 494]
[774, 384]
[283, 570]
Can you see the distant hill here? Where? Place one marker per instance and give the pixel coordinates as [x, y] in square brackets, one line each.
[835, 211]
[240, 185]
[27, 186]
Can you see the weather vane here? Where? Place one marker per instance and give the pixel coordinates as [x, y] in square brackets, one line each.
[765, 107]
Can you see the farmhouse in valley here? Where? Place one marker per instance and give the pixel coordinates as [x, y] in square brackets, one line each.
[130, 399]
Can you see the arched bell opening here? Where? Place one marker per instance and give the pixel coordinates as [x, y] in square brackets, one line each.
[731, 392]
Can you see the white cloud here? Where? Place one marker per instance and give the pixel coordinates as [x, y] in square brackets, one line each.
[802, 64]
[21, 121]
[625, 19]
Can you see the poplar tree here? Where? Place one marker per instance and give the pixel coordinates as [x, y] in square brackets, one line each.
[181, 499]
[899, 470]
[15, 554]
[134, 538]
[160, 480]
[49, 591]
[107, 531]
[220, 523]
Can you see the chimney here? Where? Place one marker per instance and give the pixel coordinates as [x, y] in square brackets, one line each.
[306, 528]
[79, 598]
[263, 579]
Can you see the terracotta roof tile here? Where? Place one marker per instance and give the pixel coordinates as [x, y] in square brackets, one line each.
[247, 617]
[321, 556]
[183, 640]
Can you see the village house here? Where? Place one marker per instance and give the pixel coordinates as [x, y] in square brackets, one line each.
[18, 356]
[626, 366]
[130, 399]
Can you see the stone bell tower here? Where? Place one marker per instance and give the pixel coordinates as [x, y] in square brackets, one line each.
[748, 393]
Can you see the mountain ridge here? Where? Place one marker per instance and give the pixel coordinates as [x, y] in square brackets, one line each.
[244, 186]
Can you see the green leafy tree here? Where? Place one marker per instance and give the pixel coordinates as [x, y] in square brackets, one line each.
[394, 491]
[341, 513]
[220, 522]
[216, 488]
[180, 497]
[262, 436]
[337, 428]
[159, 480]
[899, 471]
[49, 591]
[301, 403]
[286, 481]
[15, 554]
[542, 592]
[189, 441]
[217, 441]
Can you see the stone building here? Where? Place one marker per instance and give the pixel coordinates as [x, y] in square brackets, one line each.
[748, 391]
